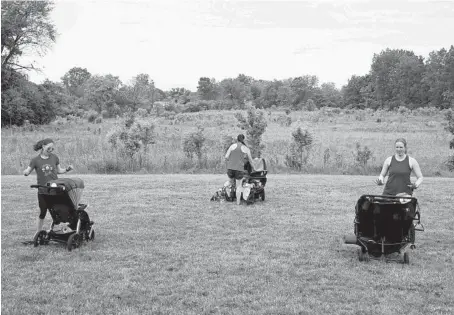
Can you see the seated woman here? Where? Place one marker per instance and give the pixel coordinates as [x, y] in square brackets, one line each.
[400, 166]
[235, 158]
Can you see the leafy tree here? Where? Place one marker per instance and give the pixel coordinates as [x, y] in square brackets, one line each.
[439, 78]
[74, 80]
[26, 27]
[207, 89]
[141, 93]
[397, 75]
[358, 92]
[302, 89]
[234, 91]
[179, 95]
[100, 91]
[328, 95]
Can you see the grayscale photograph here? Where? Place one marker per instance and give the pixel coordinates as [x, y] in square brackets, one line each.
[227, 157]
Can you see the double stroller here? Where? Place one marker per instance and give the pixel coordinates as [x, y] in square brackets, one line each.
[253, 184]
[71, 224]
[385, 226]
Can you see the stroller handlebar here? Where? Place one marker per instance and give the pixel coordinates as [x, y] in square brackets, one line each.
[59, 187]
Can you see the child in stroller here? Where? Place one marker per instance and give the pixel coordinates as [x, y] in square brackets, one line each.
[70, 221]
[253, 184]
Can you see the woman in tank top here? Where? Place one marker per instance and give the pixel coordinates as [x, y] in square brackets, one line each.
[400, 166]
[235, 159]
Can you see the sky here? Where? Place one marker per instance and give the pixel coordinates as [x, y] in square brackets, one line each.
[177, 42]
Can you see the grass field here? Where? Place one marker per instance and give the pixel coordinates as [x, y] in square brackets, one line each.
[335, 132]
[163, 248]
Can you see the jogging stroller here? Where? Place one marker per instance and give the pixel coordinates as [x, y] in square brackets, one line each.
[71, 224]
[253, 183]
[385, 226]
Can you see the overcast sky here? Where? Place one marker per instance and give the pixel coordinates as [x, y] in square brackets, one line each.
[177, 42]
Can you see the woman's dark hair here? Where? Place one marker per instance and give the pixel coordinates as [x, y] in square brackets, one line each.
[240, 138]
[39, 145]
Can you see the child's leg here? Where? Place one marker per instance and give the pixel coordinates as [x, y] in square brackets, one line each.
[43, 211]
[239, 190]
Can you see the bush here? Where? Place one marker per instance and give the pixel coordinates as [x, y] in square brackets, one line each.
[91, 116]
[255, 125]
[310, 105]
[299, 149]
[362, 156]
[142, 112]
[193, 144]
[131, 136]
[450, 163]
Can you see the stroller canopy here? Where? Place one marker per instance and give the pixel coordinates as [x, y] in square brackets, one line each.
[259, 164]
[73, 187]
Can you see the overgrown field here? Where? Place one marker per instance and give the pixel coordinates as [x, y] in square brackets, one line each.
[163, 248]
[336, 133]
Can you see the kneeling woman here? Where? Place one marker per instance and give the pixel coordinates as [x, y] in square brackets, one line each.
[235, 157]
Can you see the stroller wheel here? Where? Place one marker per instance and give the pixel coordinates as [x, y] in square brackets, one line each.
[406, 258]
[262, 195]
[40, 238]
[74, 241]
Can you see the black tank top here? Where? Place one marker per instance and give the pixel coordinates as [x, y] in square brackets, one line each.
[399, 177]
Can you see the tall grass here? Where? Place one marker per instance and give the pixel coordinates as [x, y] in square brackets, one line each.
[335, 131]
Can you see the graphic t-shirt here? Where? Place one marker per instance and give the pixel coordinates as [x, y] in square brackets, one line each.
[46, 169]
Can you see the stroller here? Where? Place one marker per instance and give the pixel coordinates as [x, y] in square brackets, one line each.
[384, 225]
[253, 183]
[71, 224]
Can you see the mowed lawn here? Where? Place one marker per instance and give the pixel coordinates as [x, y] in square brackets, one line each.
[162, 247]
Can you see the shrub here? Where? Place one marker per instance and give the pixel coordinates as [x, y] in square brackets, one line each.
[362, 156]
[450, 163]
[299, 149]
[326, 157]
[131, 136]
[255, 125]
[91, 116]
[193, 144]
[310, 105]
[142, 112]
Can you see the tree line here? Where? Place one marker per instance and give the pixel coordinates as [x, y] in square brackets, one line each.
[396, 78]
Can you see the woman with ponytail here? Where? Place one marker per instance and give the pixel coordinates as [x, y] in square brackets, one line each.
[399, 168]
[47, 166]
[235, 157]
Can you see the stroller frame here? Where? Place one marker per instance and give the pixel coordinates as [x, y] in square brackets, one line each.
[252, 178]
[384, 225]
[62, 210]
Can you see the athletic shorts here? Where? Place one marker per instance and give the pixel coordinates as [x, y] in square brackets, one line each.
[42, 201]
[235, 174]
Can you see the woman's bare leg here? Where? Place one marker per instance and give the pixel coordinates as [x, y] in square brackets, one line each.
[239, 190]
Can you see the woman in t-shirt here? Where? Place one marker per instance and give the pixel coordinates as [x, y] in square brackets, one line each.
[236, 156]
[47, 166]
[400, 166]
